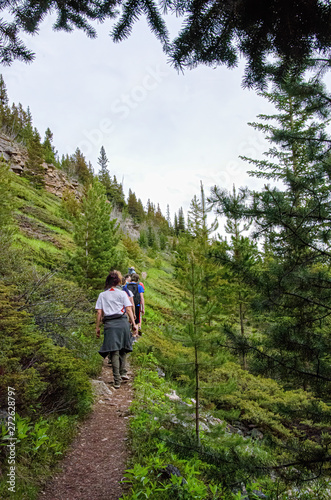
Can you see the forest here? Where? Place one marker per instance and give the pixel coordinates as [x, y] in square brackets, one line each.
[233, 371]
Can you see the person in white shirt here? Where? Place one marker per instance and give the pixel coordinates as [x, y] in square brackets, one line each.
[112, 306]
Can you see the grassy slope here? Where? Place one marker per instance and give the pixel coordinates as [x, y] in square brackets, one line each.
[40, 218]
[45, 237]
[255, 402]
[42, 243]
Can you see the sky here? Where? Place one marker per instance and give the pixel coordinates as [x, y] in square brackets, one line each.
[162, 131]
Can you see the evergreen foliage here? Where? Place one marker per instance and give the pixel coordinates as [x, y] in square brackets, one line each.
[70, 203]
[135, 208]
[8, 227]
[143, 242]
[211, 33]
[6, 199]
[117, 195]
[114, 190]
[197, 218]
[80, 167]
[292, 447]
[292, 219]
[4, 108]
[214, 33]
[198, 279]
[104, 176]
[239, 259]
[49, 150]
[14, 120]
[267, 303]
[96, 237]
[34, 170]
[46, 355]
[181, 221]
[28, 15]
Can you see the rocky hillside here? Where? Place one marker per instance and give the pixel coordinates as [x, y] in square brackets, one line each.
[56, 181]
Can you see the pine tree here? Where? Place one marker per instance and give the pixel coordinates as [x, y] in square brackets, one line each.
[49, 150]
[70, 203]
[238, 258]
[132, 205]
[96, 237]
[25, 132]
[4, 108]
[117, 195]
[140, 211]
[169, 219]
[6, 208]
[198, 328]
[65, 164]
[181, 221]
[150, 210]
[152, 238]
[176, 230]
[163, 240]
[34, 169]
[143, 241]
[292, 217]
[104, 175]
[197, 224]
[114, 190]
[80, 168]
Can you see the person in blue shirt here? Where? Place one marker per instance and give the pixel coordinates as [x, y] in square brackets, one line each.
[138, 297]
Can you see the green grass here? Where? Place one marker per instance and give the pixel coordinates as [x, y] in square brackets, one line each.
[42, 213]
[24, 191]
[251, 400]
[36, 245]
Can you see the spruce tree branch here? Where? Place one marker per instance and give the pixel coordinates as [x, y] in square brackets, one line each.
[299, 462]
[290, 368]
[307, 299]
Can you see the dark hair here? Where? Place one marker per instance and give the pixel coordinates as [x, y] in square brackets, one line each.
[127, 276]
[118, 273]
[112, 280]
[134, 277]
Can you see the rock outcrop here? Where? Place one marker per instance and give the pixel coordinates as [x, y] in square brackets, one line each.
[12, 152]
[126, 224]
[56, 181]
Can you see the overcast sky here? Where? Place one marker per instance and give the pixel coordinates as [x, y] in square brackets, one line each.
[163, 131]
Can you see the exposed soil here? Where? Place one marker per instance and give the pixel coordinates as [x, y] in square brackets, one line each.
[94, 465]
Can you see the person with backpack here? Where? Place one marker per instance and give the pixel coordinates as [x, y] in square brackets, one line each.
[138, 297]
[121, 284]
[112, 306]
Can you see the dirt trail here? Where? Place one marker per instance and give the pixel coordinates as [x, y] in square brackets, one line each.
[95, 463]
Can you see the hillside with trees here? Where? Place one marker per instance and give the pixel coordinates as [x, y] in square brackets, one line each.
[232, 374]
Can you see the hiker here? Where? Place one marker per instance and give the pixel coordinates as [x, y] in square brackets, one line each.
[111, 306]
[138, 296]
[131, 271]
[130, 295]
[127, 278]
[121, 286]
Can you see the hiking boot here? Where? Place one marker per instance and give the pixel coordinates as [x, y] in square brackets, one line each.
[125, 377]
[117, 386]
